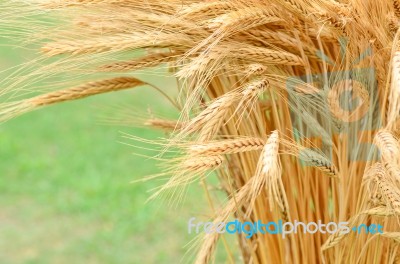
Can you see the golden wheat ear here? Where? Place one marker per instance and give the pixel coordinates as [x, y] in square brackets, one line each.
[388, 146]
[89, 89]
[229, 146]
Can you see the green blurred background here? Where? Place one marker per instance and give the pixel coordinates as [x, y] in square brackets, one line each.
[65, 191]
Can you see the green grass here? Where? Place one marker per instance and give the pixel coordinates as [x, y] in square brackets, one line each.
[65, 192]
[66, 196]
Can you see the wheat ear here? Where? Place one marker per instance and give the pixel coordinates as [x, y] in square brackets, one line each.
[81, 91]
[226, 146]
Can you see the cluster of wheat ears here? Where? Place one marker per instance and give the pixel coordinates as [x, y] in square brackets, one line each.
[294, 104]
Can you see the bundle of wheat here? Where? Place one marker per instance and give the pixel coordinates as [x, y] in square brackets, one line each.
[293, 103]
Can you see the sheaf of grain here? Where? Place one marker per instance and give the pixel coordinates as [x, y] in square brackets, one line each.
[232, 62]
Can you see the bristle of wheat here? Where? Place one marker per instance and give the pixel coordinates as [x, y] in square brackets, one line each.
[163, 124]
